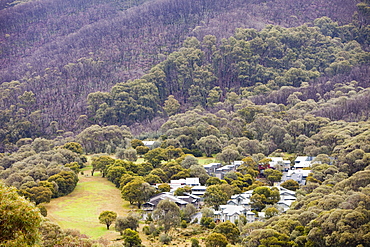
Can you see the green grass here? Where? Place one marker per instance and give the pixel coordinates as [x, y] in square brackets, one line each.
[80, 209]
[206, 160]
[140, 160]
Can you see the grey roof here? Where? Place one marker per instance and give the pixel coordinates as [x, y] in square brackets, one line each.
[165, 195]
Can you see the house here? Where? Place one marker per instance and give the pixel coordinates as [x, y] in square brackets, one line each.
[238, 163]
[303, 162]
[190, 198]
[287, 197]
[233, 213]
[217, 170]
[241, 204]
[150, 144]
[198, 190]
[211, 168]
[276, 162]
[297, 175]
[175, 184]
[220, 172]
[153, 202]
[241, 200]
[284, 205]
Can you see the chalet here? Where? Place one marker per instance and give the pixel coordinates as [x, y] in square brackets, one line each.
[198, 190]
[221, 171]
[211, 168]
[175, 184]
[303, 162]
[153, 202]
[240, 200]
[150, 144]
[190, 198]
[233, 213]
[297, 175]
[279, 162]
[240, 204]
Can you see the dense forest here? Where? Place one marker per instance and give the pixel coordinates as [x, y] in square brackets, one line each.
[73, 49]
[233, 80]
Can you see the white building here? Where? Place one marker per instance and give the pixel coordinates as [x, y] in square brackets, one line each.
[233, 213]
[149, 144]
[175, 184]
[299, 175]
[303, 162]
[198, 190]
[211, 168]
[240, 204]
[279, 161]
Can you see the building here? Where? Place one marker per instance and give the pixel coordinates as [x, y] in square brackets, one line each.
[190, 198]
[221, 171]
[175, 184]
[303, 162]
[150, 144]
[279, 162]
[240, 205]
[211, 168]
[233, 213]
[242, 199]
[153, 202]
[299, 175]
[198, 190]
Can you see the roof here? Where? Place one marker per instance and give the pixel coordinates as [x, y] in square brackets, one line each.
[188, 199]
[210, 165]
[199, 188]
[238, 162]
[192, 196]
[232, 209]
[278, 160]
[286, 203]
[303, 172]
[187, 181]
[191, 181]
[289, 197]
[149, 143]
[165, 195]
[227, 167]
[304, 158]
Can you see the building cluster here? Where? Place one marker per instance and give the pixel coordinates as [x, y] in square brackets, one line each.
[240, 204]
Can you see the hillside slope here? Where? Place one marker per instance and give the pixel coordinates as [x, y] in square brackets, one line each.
[64, 50]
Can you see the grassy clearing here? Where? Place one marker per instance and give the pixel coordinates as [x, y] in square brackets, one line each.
[80, 209]
[206, 160]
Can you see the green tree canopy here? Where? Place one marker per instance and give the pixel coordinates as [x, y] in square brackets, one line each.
[167, 214]
[216, 240]
[101, 163]
[132, 238]
[130, 221]
[107, 218]
[137, 191]
[19, 219]
[171, 105]
[290, 185]
[215, 196]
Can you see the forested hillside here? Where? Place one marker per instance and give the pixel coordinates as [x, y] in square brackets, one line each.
[54, 53]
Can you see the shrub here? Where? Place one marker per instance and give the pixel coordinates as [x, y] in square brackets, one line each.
[165, 238]
[183, 224]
